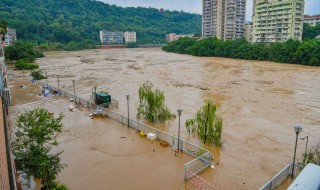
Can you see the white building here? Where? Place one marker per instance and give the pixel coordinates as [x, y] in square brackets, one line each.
[11, 36]
[171, 37]
[313, 20]
[130, 37]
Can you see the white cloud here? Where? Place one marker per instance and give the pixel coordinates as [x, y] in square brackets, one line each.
[195, 6]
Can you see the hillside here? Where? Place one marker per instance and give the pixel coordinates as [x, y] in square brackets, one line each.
[79, 20]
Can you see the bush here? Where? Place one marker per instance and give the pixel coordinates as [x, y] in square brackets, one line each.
[24, 64]
[22, 50]
[132, 45]
[37, 75]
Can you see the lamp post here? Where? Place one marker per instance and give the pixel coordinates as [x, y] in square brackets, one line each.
[47, 78]
[128, 96]
[94, 96]
[297, 129]
[74, 90]
[58, 86]
[302, 138]
[179, 112]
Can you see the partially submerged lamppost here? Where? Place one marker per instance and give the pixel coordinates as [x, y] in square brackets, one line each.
[297, 129]
[179, 112]
[58, 85]
[74, 90]
[302, 138]
[94, 95]
[128, 96]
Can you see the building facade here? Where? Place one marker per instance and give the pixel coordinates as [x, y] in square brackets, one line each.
[171, 37]
[11, 36]
[313, 20]
[130, 37]
[223, 19]
[108, 37]
[248, 31]
[277, 20]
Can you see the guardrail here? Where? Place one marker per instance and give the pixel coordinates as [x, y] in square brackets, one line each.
[202, 156]
[281, 177]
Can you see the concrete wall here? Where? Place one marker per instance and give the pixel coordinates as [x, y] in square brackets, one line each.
[4, 176]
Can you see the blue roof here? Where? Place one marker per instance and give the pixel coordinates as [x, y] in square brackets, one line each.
[308, 179]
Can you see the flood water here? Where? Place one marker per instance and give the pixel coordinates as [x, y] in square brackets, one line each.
[259, 102]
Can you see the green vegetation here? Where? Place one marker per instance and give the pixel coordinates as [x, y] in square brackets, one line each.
[37, 75]
[132, 45]
[3, 29]
[312, 156]
[151, 105]
[310, 32]
[306, 52]
[35, 136]
[21, 50]
[23, 64]
[52, 21]
[207, 125]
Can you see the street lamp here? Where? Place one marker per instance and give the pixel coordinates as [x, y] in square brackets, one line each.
[128, 96]
[302, 138]
[297, 129]
[58, 86]
[179, 112]
[94, 96]
[74, 90]
[47, 78]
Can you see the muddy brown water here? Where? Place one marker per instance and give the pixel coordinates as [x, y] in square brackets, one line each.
[259, 101]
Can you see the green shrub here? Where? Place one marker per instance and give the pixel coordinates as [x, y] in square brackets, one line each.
[24, 64]
[37, 75]
[132, 45]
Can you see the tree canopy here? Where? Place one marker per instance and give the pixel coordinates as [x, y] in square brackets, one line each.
[306, 52]
[68, 21]
[151, 104]
[35, 135]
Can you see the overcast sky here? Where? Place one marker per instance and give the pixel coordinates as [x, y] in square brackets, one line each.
[194, 6]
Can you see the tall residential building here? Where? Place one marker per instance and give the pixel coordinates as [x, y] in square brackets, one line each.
[130, 37]
[11, 36]
[278, 20]
[313, 20]
[108, 37]
[248, 31]
[223, 19]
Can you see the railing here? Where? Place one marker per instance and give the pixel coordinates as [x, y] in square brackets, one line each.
[281, 177]
[202, 156]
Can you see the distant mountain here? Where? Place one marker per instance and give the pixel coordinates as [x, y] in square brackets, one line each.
[78, 20]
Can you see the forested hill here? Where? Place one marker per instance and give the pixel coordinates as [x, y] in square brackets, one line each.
[79, 20]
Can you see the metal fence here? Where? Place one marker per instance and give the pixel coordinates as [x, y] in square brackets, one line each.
[281, 177]
[202, 156]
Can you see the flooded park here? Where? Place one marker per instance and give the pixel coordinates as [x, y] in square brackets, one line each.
[259, 102]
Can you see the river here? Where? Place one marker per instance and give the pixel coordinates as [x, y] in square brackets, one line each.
[259, 101]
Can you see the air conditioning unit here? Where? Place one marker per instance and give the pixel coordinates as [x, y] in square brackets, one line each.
[7, 96]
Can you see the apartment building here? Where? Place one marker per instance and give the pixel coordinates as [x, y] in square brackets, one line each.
[248, 31]
[11, 36]
[313, 20]
[130, 37]
[223, 19]
[277, 20]
[108, 37]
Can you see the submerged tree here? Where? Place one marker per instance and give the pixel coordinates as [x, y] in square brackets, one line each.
[151, 105]
[35, 135]
[206, 124]
[312, 155]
